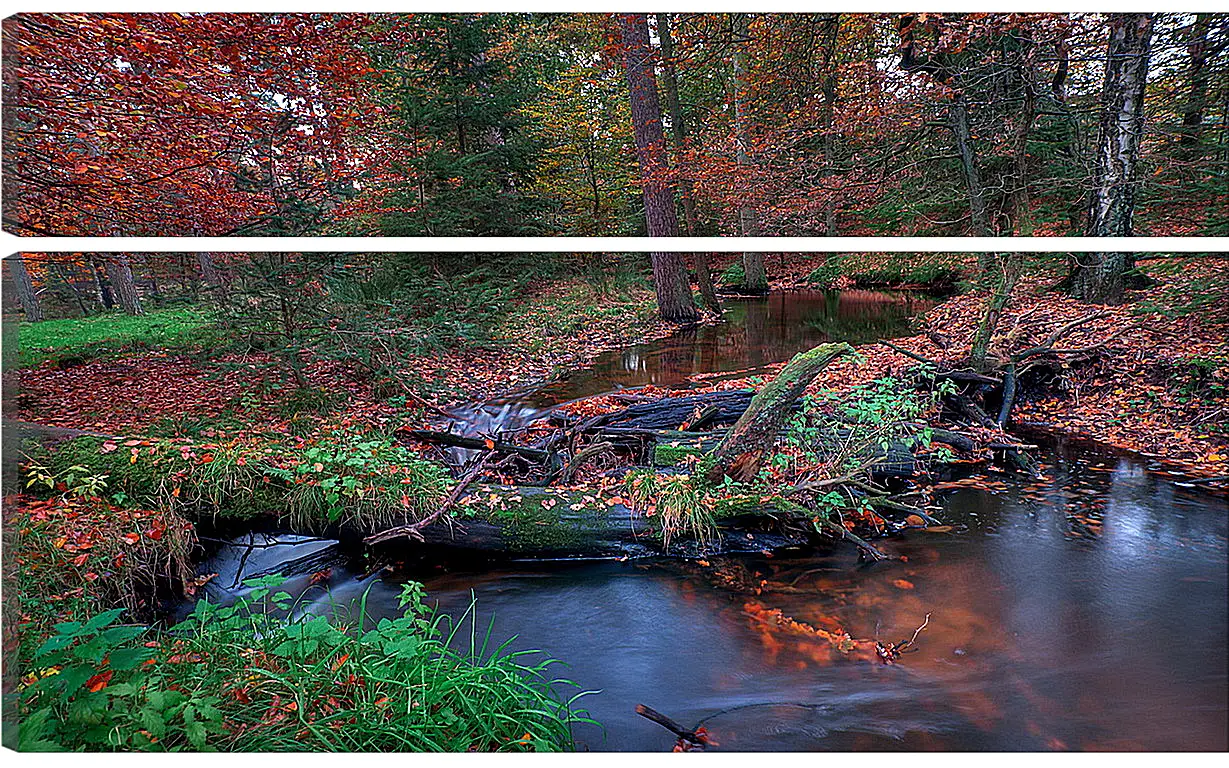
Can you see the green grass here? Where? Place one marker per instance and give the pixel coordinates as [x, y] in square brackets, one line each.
[111, 333]
[241, 678]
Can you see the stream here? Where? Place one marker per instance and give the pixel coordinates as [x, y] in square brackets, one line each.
[1084, 611]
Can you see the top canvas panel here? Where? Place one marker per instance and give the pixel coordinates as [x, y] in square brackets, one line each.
[616, 124]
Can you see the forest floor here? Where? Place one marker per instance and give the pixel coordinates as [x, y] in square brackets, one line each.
[556, 327]
[1156, 385]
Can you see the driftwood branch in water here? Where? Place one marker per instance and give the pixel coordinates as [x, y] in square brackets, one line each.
[697, 739]
[753, 435]
[414, 531]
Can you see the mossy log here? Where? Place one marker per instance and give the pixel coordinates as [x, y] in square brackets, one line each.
[524, 521]
[754, 434]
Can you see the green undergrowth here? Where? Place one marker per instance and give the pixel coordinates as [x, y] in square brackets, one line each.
[830, 436]
[244, 678]
[932, 270]
[353, 480]
[76, 340]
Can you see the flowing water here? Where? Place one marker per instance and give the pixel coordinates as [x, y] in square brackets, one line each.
[1084, 611]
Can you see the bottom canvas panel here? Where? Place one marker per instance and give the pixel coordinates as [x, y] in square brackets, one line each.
[616, 502]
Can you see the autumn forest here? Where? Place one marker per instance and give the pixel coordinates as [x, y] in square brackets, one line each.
[769, 495]
[616, 124]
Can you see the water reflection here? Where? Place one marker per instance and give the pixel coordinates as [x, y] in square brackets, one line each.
[754, 332]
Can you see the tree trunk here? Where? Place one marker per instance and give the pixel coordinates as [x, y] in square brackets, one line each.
[660, 216]
[673, 290]
[959, 116]
[755, 279]
[1008, 268]
[669, 271]
[520, 525]
[1197, 79]
[104, 286]
[119, 274]
[704, 276]
[678, 127]
[739, 455]
[25, 288]
[1101, 277]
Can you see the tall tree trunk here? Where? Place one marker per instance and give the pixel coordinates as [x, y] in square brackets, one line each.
[660, 217]
[678, 129]
[673, 290]
[755, 278]
[959, 116]
[119, 274]
[1021, 200]
[678, 126]
[669, 271]
[1101, 277]
[25, 288]
[1197, 79]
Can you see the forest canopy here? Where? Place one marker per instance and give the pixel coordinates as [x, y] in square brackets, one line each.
[616, 124]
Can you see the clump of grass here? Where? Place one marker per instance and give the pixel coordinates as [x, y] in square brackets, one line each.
[239, 678]
[359, 481]
[73, 554]
[82, 339]
[680, 508]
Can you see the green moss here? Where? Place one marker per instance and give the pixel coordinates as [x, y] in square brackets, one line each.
[666, 455]
[539, 520]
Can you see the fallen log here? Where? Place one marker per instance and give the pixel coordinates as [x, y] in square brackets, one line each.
[753, 435]
[723, 407]
[454, 440]
[529, 521]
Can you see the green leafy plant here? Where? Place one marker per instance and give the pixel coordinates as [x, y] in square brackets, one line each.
[239, 677]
